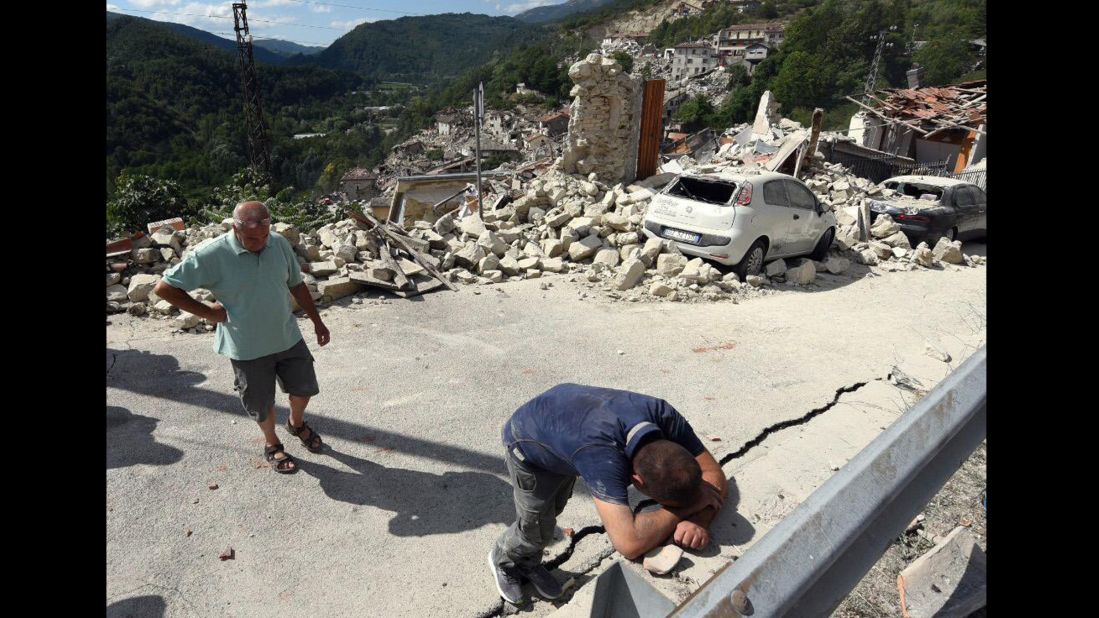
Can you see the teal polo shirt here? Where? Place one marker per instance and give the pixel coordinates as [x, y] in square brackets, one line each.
[253, 288]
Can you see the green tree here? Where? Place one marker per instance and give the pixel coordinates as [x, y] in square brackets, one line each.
[623, 59]
[695, 114]
[141, 199]
[738, 76]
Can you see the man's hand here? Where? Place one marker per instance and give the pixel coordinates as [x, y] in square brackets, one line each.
[323, 337]
[692, 535]
[217, 314]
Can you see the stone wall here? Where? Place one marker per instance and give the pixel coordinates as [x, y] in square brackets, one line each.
[604, 121]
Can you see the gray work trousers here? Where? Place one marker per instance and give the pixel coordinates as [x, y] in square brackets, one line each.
[540, 496]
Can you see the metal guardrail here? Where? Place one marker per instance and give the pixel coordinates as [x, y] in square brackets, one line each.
[808, 563]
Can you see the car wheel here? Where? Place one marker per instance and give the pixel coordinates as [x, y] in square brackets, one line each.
[823, 245]
[752, 264]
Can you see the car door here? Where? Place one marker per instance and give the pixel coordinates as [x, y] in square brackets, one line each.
[775, 217]
[965, 208]
[805, 227]
[980, 228]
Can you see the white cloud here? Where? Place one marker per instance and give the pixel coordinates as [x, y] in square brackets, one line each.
[266, 4]
[350, 24]
[114, 8]
[519, 7]
[320, 8]
[148, 4]
[208, 17]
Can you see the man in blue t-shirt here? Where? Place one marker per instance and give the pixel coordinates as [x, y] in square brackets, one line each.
[253, 272]
[611, 438]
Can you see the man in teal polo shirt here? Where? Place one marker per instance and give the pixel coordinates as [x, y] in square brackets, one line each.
[249, 270]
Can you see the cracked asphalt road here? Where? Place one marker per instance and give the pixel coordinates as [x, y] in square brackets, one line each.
[397, 516]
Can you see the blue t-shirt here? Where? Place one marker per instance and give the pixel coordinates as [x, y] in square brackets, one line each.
[593, 432]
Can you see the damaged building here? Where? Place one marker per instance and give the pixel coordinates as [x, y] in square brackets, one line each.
[944, 125]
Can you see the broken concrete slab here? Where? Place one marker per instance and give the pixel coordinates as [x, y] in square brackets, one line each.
[802, 274]
[322, 269]
[882, 250]
[629, 274]
[469, 256]
[186, 320]
[670, 265]
[898, 241]
[117, 293]
[949, 581]
[948, 251]
[923, 256]
[884, 226]
[868, 257]
[609, 257]
[140, 287]
[837, 265]
[776, 267]
[661, 560]
[584, 248]
[471, 225]
[337, 287]
[660, 288]
[553, 265]
[553, 247]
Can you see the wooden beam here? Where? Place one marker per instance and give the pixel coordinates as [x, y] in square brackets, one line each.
[886, 118]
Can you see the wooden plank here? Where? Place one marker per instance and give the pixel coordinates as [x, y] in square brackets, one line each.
[388, 261]
[363, 278]
[392, 232]
[410, 268]
[652, 128]
[422, 287]
[886, 118]
[419, 259]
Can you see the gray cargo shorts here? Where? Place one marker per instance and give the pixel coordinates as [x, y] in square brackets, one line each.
[255, 379]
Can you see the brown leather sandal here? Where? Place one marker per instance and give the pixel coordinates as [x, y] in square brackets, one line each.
[286, 465]
[313, 443]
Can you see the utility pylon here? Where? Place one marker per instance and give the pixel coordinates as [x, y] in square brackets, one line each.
[259, 145]
[872, 76]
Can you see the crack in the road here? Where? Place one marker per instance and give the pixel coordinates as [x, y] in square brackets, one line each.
[754, 442]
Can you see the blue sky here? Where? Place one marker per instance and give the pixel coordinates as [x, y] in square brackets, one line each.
[308, 22]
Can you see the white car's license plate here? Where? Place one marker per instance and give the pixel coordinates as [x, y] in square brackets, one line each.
[681, 235]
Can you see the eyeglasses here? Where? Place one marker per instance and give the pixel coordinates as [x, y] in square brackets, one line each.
[253, 224]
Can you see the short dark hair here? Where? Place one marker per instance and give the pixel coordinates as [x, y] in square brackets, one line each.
[670, 472]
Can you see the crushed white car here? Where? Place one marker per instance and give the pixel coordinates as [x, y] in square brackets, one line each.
[741, 218]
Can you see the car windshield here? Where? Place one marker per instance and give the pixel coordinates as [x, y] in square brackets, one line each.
[712, 191]
[915, 189]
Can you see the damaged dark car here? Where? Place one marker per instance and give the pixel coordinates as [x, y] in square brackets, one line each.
[928, 208]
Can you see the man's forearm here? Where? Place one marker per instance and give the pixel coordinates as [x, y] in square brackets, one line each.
[305, 301]
[651, 529]
[183, 301]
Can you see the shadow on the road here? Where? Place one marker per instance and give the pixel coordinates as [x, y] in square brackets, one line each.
[730, 527]
[425, 503]
[130, 441]
[159, 375]
[150, 606]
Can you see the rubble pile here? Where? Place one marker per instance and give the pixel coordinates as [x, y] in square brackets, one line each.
[564, 224]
